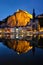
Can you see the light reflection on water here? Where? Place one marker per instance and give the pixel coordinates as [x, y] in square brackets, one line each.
[30, 50]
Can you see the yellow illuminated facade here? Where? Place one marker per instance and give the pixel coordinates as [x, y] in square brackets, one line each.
[21, 18]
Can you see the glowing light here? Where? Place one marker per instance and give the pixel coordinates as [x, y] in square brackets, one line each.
[41, 29]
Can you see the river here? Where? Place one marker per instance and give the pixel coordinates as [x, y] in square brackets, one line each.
[27, 51]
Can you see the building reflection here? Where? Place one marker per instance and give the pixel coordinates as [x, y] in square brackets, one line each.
[24, 45]
[40, 42]
[33, 49]
[20, 46]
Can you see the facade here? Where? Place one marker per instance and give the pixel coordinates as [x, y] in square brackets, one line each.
[9, 27]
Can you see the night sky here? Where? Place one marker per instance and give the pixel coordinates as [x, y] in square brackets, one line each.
[8, 7]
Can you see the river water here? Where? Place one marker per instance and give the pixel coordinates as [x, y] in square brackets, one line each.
[28, 51]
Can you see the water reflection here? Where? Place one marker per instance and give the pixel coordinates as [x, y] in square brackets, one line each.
[24, 45]
[30, 50]
[21, 46]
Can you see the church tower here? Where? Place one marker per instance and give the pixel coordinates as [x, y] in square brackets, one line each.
[34, 22]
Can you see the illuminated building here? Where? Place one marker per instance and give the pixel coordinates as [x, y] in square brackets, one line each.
[20, 24]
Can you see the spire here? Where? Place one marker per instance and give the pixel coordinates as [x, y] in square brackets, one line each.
[33, 15]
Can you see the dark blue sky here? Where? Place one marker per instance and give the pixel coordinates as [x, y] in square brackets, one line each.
[8, 7]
